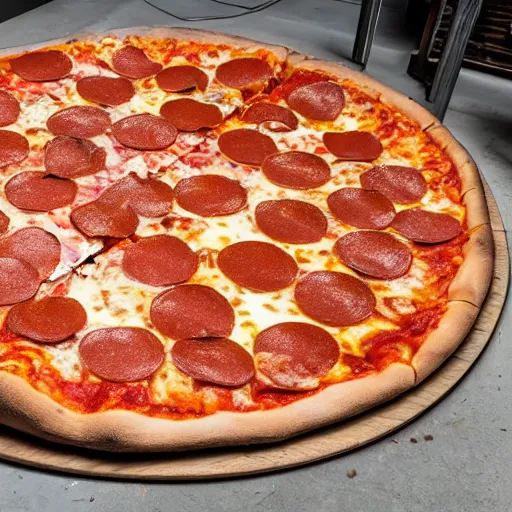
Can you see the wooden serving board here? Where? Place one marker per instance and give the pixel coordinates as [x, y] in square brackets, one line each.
[339, 438]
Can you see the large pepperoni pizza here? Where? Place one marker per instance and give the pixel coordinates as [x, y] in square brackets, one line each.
[207, 240]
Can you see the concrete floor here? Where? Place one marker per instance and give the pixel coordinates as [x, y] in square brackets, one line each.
[467, 466]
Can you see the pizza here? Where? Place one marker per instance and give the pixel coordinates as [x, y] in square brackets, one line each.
[208, 241]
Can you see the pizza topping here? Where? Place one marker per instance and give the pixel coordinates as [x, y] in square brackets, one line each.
[48, 320]
[364, 209]
[132, 62]
[375, 254]
[291, 221]
[296, 169]
[214, 360]
[189, 115]
[356, 145]
[14, 148]
[105, 90]
[243, 72]
[259, 266]
[262, 112]
[192, 311]
[9, 109]
[291, 352]
[122, 354]
[19, 281]
[426, 227]
[145, 132]
[35, 246]
[334, 298]
[36, 191]
[81, 122]
[320, 101]
[210, 195]
[160, 261]
[4, 223]
[404, 185]
[42, 66]
[66, 157]
[182, 78]
[246, 146]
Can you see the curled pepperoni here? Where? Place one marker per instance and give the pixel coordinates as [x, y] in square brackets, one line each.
[66, 157]
[356, 145]
[291, 352]
[245, 146]
[214, 360]
[262, 112]
[122, 354]
[296, 169]
[19, 281]
[48, 320]
[36, 191]
[426, 227]
[42, 66]
[132, 62]
[334, 298]
[210, 195]
[105, 90]
[259, 266]
[192, 311]
[364, 209]
[82, 122]
[375, 254]
[404, 185]
[160, 261]
[9, 109]
[145, 132]
[14, 148]
[291, 221]
[243, 72]
[320, 101]
[4, 223]
[189, 115]
[182, 78]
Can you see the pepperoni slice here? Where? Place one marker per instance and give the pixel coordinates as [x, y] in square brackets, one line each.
[38, 192]
[9, 109]
[14, 148]
[132, 62]
[192, 311]
[298, 170]
[334, 298]
[321, 101]
[214, 360]
[243, 72]
[291, 221]
[122, 354]
[404, 185]
[105, 90]
[19, 281]
[426, 227]
[36, 247]
[210, 195]
[43, 66]
[66, 157]
[246, 146]
[356, 145]
[48, 320]
[375, 254]
[160, 261]
[80, 122]
[364, 209]
[182, 78]
[145, 132]
[189, 115]
[4, 223]
[291, 352]
[262, 112]
[259, 266]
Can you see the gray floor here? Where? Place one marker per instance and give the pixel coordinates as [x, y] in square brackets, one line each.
[467, 466]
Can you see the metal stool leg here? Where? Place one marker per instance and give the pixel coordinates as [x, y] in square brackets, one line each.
[370, 10]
